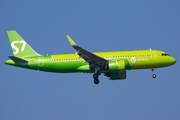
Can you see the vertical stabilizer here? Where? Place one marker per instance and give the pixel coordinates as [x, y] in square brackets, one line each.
[19, 46]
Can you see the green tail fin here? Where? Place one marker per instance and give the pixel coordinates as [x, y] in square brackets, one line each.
[19, 46]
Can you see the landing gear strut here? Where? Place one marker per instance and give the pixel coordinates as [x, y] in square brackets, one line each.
[154, 75]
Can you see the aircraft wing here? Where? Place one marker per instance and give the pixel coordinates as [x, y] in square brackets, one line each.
[89, 57]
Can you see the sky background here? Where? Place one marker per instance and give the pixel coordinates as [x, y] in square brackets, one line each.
[97, 26]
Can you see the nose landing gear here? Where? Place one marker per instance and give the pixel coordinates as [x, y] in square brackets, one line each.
[154, 75]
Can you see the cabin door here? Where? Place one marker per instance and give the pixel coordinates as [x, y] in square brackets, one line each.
[153, 54]
[41, 61]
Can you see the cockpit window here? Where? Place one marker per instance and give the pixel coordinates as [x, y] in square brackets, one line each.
[165, 54]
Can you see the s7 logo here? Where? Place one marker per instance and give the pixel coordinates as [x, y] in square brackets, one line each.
[16, 48]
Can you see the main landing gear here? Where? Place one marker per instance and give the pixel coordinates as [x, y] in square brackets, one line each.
[154, 75]
[96, 80]
[95, 76]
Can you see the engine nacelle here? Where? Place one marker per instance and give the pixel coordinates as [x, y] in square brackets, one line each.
[117, 66]
[116, 70]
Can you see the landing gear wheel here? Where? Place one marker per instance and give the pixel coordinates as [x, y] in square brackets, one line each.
[95, 76]
[154, 75]
[96, 81]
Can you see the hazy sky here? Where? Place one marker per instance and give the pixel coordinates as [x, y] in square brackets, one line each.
[97, 26]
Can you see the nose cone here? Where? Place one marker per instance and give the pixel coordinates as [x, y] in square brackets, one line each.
[172, 60]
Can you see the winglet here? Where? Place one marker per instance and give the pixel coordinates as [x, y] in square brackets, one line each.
[71, 41]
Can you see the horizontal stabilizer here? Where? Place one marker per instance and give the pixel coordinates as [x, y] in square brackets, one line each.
[18, 60]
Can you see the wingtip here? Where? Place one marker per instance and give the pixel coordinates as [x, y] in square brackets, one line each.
[11, 31]
[70, 40]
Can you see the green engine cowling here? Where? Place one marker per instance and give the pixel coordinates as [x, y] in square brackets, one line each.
[117, 70]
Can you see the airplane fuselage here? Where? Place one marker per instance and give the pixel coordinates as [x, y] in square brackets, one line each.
[65, 63]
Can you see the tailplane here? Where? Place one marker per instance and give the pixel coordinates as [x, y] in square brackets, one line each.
[19, 46]
[18, 60]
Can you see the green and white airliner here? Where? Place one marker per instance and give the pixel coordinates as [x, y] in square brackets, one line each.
[111, 64]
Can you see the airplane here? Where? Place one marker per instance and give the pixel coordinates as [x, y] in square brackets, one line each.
[112, 64]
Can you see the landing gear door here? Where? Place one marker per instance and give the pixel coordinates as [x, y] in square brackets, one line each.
[153, 54]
